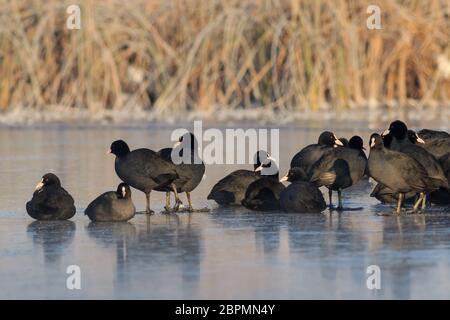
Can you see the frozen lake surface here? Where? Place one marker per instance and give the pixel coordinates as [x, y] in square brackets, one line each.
[225, 254]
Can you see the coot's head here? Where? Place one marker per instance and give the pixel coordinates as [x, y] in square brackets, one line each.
[376, 141]
[356, 142]
[187, 140]
[119, 148]
[414, 137]
[268, 167]
[295, 174]
[260, 157]
[328, 138]
[123, 191]
[397, 129]
[48, 179]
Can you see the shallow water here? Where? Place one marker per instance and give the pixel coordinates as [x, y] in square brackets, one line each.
[223, 254]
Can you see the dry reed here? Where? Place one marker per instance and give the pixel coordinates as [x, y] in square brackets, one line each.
[170, 56]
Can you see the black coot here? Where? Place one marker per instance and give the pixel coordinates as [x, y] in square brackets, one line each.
[264, 193]
[231, 189]
[398, 171]
[401, 141]
[429, 135]
[143, 169]
[189, 167]
[306, 157]
[112, 205]
[340, 168]
[301, 195]
[51, 201]
[435, 142]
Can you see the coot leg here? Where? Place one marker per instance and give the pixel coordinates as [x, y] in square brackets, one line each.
[167, 206]
[330, 198]
[340, 207]
[177, 198]
[418, 202]
[424, 201]
[399, 202]
[148, 210]
[188, 196]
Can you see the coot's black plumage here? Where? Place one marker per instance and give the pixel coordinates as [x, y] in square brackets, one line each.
[231, 189]
[429, 135]
[50, 201]
[190, 169]
[301, 195]
[442, 196]
[401, 141]
[112, 205]
[340, 168]
[143, 169]
[435, 142]
[398, 171]
[306, 157]
[264, 193]
[387, 195]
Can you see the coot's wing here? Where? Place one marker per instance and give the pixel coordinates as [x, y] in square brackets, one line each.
[104, 200]
[303, 158]
[398, 164]
[147, 163]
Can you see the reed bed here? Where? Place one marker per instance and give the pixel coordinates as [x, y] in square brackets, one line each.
[181, 55]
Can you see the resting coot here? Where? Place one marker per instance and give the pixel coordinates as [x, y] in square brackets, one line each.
[50, 201]
[306, 157]
[143, 169]
[435, 142]
[340, 168]
[112, 205]
[264, 193]
[301, 195]
[190, 171]
[231, 189]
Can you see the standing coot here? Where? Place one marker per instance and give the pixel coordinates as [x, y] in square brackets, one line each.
[190, 171]
[340, 168]
[401, 141]
[398, 171]
[143, 169]
[51, 201]
[231, 189]
[264, 193]
[306, 157]
[301, 195]
[112, 205]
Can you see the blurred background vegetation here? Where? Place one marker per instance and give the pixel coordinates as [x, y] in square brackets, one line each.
[177, 55]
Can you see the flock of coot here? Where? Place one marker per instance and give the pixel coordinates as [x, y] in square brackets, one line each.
[412, 170]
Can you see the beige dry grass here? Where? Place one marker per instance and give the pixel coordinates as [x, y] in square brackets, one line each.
[196, 54]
